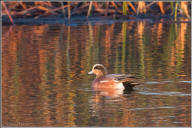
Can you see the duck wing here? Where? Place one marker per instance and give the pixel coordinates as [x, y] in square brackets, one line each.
[121, 77]
[128, 80]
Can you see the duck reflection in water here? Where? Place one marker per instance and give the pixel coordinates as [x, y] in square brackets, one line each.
[111, 85]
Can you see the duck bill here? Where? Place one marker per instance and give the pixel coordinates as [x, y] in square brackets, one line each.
[90, 72]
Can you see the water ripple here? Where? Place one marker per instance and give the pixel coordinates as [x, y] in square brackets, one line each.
[151, 108]
[164, 93]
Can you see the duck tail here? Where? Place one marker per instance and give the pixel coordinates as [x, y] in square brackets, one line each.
[129, 85]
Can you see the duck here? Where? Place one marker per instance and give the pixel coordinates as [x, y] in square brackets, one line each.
[104, 81]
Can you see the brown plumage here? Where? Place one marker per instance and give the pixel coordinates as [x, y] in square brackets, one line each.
[117, 81]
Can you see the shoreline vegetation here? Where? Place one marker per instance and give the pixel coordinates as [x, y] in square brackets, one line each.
[12, 11]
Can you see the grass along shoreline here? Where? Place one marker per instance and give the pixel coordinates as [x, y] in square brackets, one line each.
[11, 11]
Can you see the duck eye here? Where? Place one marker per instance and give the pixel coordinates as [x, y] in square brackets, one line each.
[98, 68]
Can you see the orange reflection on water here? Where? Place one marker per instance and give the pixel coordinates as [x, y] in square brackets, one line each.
[45, 81]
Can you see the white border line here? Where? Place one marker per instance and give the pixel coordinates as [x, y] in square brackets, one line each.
[76, 1]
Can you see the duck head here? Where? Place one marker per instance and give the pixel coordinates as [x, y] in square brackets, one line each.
[99, 70]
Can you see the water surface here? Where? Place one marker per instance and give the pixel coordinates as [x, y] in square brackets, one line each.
[45, 80]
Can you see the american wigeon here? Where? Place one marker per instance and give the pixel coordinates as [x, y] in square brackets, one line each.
[115, 81]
